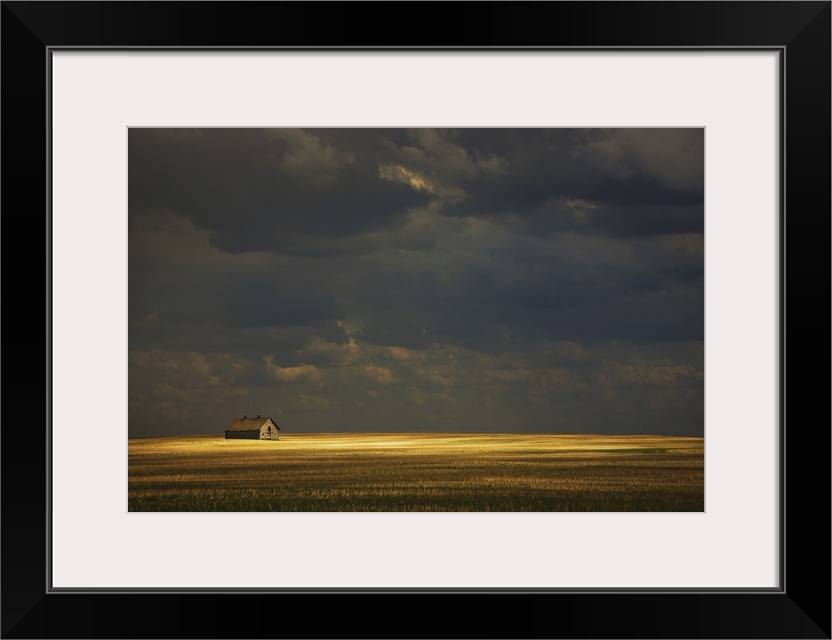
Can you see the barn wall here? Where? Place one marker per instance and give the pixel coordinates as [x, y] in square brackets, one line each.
[241, 435]
[264, 433]
[275, 430]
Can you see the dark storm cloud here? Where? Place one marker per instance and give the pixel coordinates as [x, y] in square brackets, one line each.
[372, 279]
[555, 288]
[255, 188]
[176, 276]
[619, 181]
[560, 214]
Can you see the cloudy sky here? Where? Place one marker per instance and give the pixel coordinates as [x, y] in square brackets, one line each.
[469, 280]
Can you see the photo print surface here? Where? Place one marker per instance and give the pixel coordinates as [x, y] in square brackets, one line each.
[502, 319]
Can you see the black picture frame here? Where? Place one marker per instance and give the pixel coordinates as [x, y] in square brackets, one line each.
[800, 608]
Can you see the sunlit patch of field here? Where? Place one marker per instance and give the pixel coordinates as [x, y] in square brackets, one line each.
[417, 472]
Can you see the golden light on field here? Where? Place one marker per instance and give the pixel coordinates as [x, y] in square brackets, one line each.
[418, 472]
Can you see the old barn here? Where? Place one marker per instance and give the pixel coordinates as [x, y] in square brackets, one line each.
[253, 429]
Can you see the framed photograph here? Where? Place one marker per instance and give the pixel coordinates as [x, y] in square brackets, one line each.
[456, 320]
[690, 148]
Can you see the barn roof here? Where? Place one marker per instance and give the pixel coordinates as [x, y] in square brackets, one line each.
[249, 424]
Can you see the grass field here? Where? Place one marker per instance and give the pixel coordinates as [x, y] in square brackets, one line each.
[417, 472]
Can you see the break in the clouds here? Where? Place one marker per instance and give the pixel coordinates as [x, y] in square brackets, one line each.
[472, 280]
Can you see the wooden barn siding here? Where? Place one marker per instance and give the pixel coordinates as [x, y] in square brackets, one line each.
[242, 435]
[264, 433]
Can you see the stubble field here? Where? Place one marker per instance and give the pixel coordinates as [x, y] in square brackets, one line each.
[417, 472]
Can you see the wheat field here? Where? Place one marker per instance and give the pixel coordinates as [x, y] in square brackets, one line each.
[417, 472]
